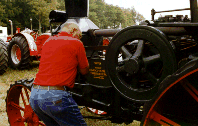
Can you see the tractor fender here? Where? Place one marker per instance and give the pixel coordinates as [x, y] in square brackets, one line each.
[30, 40]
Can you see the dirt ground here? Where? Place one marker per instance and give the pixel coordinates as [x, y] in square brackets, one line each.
[3, 115]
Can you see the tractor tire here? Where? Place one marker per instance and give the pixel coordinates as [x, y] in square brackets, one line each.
[18, 109]
[3, 57]
[18, 53]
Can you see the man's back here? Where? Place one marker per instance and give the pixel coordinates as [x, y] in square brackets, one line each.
[61, 54]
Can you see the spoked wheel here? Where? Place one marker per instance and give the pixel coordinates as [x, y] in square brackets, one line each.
[18, 53]
[176, 102]
[18, 108]
[138, 59]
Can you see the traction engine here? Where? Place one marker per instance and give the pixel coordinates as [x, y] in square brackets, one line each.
[147, 72]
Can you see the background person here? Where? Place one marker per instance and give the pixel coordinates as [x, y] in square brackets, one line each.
[61, 56]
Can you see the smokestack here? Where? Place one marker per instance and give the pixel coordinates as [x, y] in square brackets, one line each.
[194, 11]
[77, 8]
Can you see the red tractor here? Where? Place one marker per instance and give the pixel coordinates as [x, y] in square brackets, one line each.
[24, 47]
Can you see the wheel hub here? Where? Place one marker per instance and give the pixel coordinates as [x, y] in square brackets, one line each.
[132, 65]
[16, 54]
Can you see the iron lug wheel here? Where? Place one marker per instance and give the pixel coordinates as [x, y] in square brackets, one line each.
[18, 108]
[176, 101]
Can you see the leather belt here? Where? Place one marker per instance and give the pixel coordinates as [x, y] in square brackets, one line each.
[49, 87]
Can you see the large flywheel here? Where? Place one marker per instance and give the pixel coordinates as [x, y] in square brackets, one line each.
[18, 108]
[176, 102]
[138, 59]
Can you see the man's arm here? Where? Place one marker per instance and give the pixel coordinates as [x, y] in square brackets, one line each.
[84, 71]
[83, 64]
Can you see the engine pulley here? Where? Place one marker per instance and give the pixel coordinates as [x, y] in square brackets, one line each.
[138, 59]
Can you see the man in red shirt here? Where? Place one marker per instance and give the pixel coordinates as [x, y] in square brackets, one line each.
[62, 55]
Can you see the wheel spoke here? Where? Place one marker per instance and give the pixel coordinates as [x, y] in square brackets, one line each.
[27, 95]
[41, 123]
[23, 98]
[134, 83]
[151, 77]
[151, 59]
[120, 68]
[139, 49]
[125, 52]
[190, 89]
[161, 119]
[16, 106]
[20, 119]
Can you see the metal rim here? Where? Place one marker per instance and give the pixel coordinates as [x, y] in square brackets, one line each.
[18, 108]
[16, 54]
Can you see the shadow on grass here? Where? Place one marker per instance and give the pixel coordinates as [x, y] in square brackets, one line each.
[12, 75]
[35, 64]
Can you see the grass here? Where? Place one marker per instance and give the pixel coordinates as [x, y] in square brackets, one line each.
[13, 75]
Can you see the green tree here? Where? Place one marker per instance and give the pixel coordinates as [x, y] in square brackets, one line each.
[109, 16]
[40, 11]
[2, 12]
[131, 17]
[60, 5]
[18, 12]
[101, 14]
[93, 12]
[116, 16]
[12, 13]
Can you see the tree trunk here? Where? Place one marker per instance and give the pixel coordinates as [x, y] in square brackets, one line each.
[39, 24]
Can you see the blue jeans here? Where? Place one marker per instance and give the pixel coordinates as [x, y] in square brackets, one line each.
[56, 108]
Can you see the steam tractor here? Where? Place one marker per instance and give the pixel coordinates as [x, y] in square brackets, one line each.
[24, 47]
[148, 73]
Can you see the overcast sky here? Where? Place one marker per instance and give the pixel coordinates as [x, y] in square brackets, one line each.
[144, 6]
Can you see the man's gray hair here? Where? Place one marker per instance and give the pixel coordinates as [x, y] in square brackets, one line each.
[72, 28]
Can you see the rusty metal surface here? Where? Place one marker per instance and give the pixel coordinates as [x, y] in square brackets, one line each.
[153, 12]
[172, 10]
[173, 30]
[165, 30]
[106, 32]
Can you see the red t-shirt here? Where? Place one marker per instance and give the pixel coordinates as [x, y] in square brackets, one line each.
[61, 54]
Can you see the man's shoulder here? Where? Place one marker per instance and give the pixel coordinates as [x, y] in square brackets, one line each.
[64, 38]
